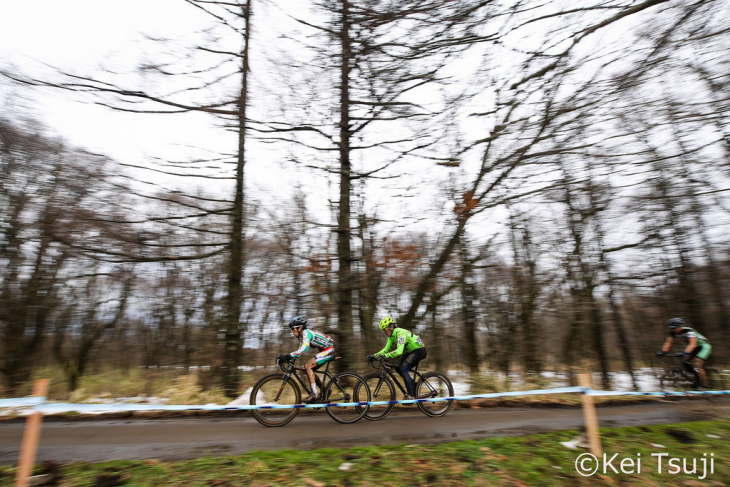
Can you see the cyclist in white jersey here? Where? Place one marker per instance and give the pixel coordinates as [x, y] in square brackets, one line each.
[322, 342]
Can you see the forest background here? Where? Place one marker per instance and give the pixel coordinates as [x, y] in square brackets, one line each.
[528, 185]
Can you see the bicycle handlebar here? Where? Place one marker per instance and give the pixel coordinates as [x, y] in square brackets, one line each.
[286, 365]
[378, 362]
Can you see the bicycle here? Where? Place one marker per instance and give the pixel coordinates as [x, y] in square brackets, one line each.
[428, 385]
[683, 376]
[281, 389]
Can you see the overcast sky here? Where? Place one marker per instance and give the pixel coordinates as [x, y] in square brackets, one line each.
[82, 36]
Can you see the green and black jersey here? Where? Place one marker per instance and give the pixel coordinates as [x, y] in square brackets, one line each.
[687, 333]
[403, 340]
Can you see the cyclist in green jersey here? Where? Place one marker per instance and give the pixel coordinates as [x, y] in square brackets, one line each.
[408, 346]
[698, 347]
[322, 342]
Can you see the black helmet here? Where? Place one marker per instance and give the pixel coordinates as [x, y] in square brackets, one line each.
[675, 323]
[298, 321]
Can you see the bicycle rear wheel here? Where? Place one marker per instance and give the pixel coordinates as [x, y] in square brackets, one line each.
[715, 382]
[380, 390]
[272, 391]
[432, 385]
[347, 387]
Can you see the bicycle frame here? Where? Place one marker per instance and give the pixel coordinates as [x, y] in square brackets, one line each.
[385, 368]
[428, 386]
[289, 369]
[345, 396]
[683, 368]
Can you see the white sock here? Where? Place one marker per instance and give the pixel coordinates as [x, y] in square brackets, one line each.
[314, 389]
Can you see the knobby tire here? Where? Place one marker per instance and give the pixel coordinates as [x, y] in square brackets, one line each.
[265, 392]
[441, 386]
[345, 388]
[379, 391]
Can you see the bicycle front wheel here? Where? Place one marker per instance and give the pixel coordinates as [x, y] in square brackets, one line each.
[381, 389]
[715, 380]
[273, 391]
[347, 388]
[669, 381]
[432, 385]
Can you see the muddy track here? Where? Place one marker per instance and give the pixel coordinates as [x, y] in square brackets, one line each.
[106, 438]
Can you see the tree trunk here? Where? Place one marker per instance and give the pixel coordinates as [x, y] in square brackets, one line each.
[622, 337]
[369, 286]
[434, 351]
[471, 355]
[233, 341]
[344, 251]
[594, 314]
[428, 282]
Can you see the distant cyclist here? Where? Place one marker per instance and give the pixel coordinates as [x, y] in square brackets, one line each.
[408, 346]
[697, 346]
[323, 343]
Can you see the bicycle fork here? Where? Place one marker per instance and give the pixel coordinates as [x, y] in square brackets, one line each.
[377, 388]
[283, 385]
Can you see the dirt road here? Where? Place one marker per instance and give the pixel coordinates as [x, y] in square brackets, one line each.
[98, 440]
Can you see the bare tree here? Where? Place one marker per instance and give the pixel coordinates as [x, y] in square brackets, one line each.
[224, 64]
[53, 205]
[85, 325]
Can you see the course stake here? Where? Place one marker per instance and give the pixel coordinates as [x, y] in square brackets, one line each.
[30, 437]
[590, 417]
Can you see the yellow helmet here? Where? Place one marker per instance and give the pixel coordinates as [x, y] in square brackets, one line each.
[386, 322]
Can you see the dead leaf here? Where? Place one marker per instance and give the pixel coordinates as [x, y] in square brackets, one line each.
[313, 483]
[467, 204]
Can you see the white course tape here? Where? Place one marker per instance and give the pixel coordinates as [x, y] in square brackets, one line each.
[557, 390]
[591, 392]
[53, 408]
[39, 404]
[21, 402]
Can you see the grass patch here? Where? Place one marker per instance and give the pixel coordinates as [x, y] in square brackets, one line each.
[176, 385]
[514, 461]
